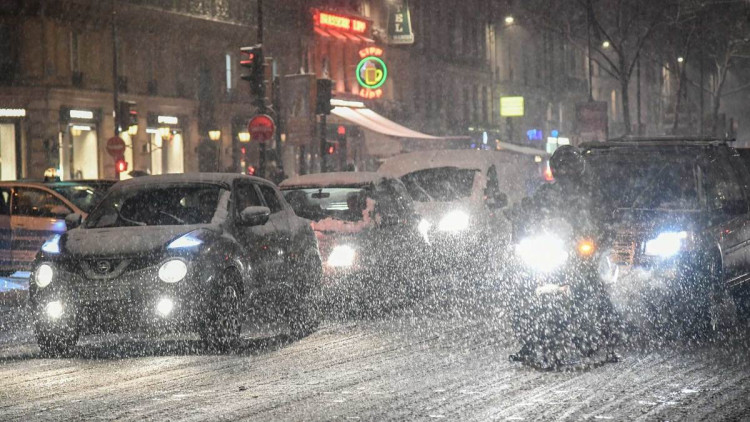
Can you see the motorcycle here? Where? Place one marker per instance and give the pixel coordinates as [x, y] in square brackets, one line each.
[561, 311]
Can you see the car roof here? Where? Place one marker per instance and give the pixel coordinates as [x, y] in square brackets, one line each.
[216, 178]
[657, 142]
[344, 178]
[400, 165]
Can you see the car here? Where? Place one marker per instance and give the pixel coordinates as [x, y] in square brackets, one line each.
[460, 194]
[185, 253]
[30, 212]
[368, 234]
[678, 212]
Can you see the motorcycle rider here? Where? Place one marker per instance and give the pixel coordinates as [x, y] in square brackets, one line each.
[572, 196]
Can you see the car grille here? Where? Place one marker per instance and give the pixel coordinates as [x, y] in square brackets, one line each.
[624, 247]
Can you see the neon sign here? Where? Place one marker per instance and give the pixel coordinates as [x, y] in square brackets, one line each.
[371, 72]
[342, 22]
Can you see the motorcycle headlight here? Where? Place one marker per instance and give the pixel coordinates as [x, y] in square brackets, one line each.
[454, 221]
[666, 244]
[172, 271]
[43, 275]
[542, 253]
[342, 256]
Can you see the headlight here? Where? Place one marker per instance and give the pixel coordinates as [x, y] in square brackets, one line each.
[341, 256]
[189, 240]
[43, 275]
[172, 271]
[424, 228]
[52, 246]
[454, 221]
[666, 244]
[542, 253]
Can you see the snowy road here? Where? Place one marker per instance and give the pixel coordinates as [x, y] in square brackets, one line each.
[449, 363]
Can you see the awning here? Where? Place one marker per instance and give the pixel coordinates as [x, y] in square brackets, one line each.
[370, 120]
[342, 36]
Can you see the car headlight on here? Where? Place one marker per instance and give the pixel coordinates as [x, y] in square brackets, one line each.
[542, 253]
[342, 256]
[43, 275]
[666, 244]
[454, 221]
[189, 240]
[52, 245]
[424, 228]
[172, 271]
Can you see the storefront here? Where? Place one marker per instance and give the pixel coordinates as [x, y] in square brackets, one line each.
[166, 144]
[79, 143]
[11, 157]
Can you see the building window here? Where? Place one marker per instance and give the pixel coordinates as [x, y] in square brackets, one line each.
[228, 62]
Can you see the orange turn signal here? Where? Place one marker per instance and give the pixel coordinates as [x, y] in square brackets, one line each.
[586, 247]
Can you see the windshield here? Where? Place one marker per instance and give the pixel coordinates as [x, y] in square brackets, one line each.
[157, 206]
[344, 203]
[442, 184]
[646, 183]
[84, 196]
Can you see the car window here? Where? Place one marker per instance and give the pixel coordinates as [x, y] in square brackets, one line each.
[32, 202]
[722, 186]
[443, 184]
[245, 196]
[84, 196]
[272, 201]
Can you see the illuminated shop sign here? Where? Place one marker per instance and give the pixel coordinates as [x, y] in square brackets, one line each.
[12, 112]
[511, 106]
[167, 120]
[340, 22]
[81, 114]
[371, 72]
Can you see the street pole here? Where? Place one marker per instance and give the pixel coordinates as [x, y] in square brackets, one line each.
[323, 166]
[261, 101]
[638, 93]
[588, 52]
[115, 77]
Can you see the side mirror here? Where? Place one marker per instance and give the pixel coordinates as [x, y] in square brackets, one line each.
[73, 220]
[254, 216]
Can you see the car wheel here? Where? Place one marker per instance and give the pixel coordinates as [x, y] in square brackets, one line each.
[224, 322]
[56, 343]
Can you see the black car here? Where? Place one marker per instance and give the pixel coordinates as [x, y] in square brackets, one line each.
[679, 222]
[178, 252]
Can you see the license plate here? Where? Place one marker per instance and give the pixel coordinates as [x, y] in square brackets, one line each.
[553, 289]
[102, 293]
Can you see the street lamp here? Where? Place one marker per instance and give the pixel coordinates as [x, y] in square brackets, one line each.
[509, 20]
[680, 59]
[605, 44]
[214, 134]
[244, 137]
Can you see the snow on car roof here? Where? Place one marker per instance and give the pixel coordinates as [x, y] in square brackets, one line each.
[219, 178]
[347, 178]
[400, 165]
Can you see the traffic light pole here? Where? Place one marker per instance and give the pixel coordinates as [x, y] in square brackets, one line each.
[323, 142]
[260, 99]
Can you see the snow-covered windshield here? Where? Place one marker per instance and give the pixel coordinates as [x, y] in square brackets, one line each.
[442, 184]
[84, 196]
[157, 206]
[340, 203]
[646, 182]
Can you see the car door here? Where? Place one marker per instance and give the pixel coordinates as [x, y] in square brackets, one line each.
[728, 208]
[280, 240]
[36, 214]
[6, 234]
[258, 241]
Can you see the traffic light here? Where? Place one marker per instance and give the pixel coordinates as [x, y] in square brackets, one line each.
[121, 165]
[127, 117]
[331, 148]
[252, 58]
[323, 96]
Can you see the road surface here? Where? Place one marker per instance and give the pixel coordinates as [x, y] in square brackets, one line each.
[442, 359]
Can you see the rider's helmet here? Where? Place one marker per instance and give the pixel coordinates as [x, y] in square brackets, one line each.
[567, 164]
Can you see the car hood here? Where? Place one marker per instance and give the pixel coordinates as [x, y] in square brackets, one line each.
[124, 240]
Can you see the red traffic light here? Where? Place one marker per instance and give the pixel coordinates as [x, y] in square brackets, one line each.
[251, 170]
[121, 166]
[331, 150]
[341, 130]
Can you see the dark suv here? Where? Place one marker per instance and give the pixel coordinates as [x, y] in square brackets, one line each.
[677, 212]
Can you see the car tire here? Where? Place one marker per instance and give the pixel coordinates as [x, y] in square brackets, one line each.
[224, 323]
[55, 344]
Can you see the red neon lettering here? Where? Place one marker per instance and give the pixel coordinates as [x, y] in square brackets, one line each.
[370, 51]
[341, 22]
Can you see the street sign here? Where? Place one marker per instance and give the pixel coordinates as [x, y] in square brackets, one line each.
[116, 147]
[261, 128]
